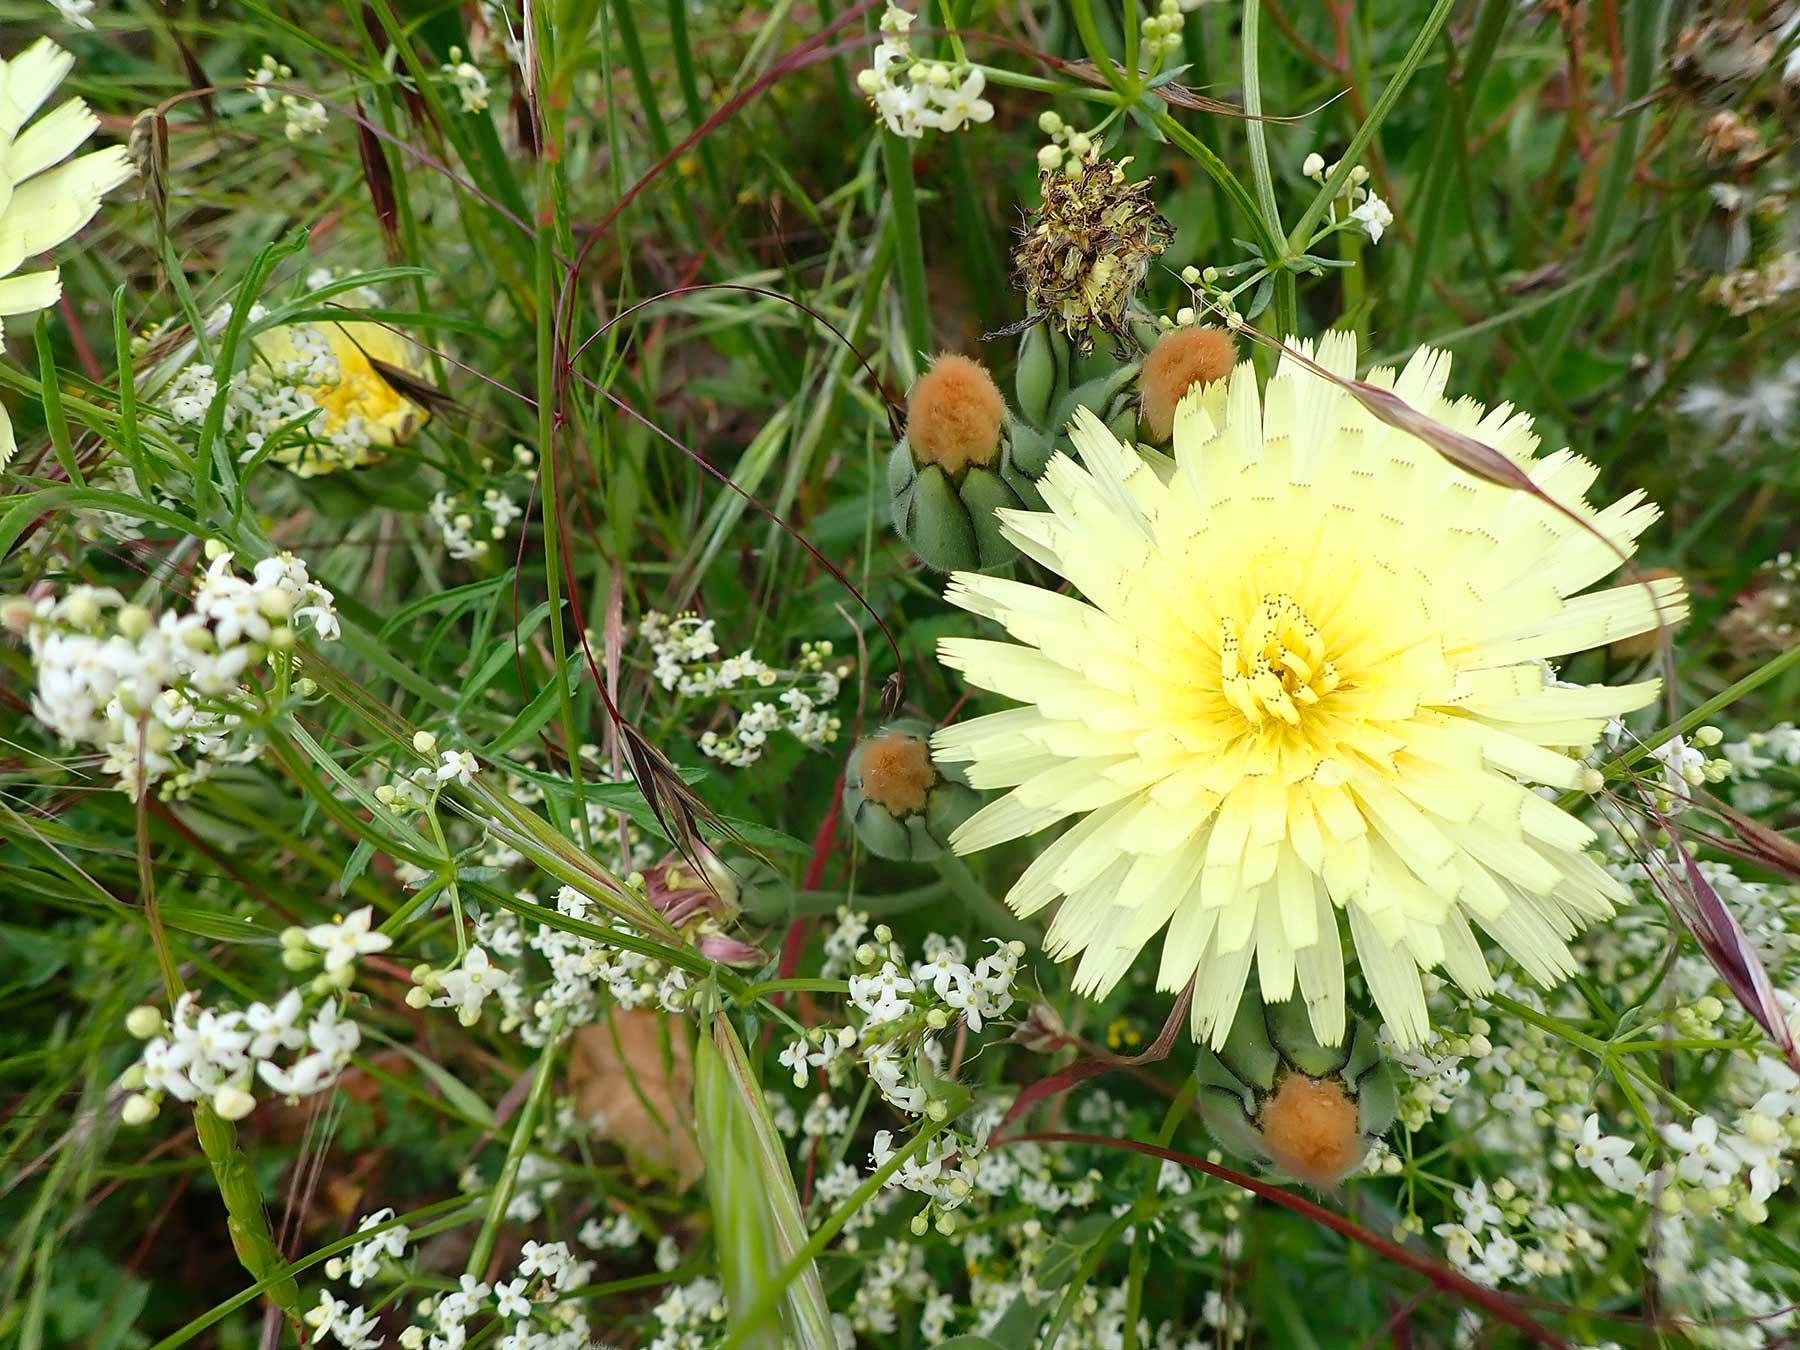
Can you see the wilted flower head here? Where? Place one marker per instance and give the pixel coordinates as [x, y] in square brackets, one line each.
[1087, 249]
[43, 199]
[1308, 677]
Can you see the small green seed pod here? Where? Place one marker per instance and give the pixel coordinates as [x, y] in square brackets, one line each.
[1274, 1095]
[1039, 378]
[944, 480]
[902, 804]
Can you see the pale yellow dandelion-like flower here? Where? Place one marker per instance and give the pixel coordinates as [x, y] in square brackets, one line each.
[45, 196]
[1307, 676]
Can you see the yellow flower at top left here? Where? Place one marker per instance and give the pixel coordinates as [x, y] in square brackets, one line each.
[45, 196]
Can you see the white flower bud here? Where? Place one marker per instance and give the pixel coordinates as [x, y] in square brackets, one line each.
[233, 1103]
[424, 742]
[82, 610]
[138, 1110]
[1313, 166]
[144, 1022]
[134, 621]
[1049, 122]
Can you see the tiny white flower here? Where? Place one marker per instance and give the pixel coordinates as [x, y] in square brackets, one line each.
[344, 939]
[512, 1300]
[459, 765]
[1373, 215]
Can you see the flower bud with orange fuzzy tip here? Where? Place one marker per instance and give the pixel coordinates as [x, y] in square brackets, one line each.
[903, 804]
[1182, 359]
[943, 476]
[1274, 1095]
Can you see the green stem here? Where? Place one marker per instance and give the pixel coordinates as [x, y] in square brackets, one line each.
[1287, 312]
[1644, 26]
[483, 1250]
[1267, 240]
[1140, 1240]
[772, 1293]
[1775, 665]
[994, 913]
[909, 249]
[545, 278]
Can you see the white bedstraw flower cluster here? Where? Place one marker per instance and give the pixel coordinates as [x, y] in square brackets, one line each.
[467, 521]
[1685, 766]
[308, 388]
[1712, 1167]
[167, 697]
[466, 525]
[685, 650]
[465, 986]
[690, 1315]
[904, 1007]
[1069, 151]
[368, 1256]
[206, 1054]
[1758, 752]
[1367, 211]
[1433, 1075]
[530, 1306]
[1515, 1235]
[304, 116]
[471, 84]
[912, 96]
[585, 976]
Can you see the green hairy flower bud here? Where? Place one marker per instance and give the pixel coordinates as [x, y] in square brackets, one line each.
[1051, 381]
[944, 477]
[903, 804]
[1274, 1095]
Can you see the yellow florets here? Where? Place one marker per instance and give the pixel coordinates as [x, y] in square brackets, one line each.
[1307, 678]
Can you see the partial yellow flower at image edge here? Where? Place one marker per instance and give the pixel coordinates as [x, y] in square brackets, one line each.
[43, 199]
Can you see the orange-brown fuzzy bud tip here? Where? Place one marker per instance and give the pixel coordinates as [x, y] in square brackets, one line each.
[1311, 1131]
[1181, 359]
[897, 772]
[953, 415]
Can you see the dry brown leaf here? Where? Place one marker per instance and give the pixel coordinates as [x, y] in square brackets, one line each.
[637, 1089]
